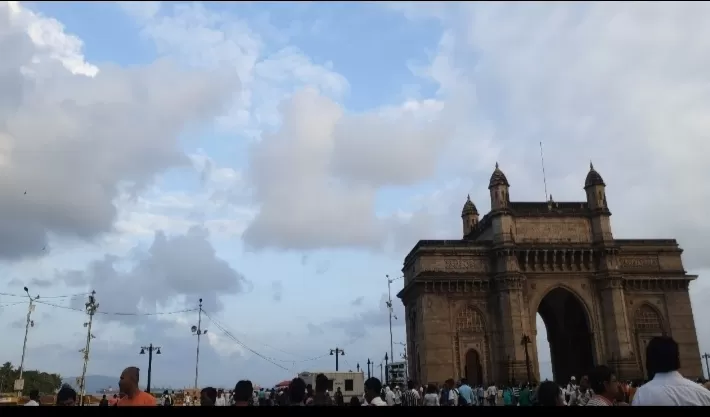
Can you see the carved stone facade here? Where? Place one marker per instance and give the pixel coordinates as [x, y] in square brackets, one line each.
[470, 302]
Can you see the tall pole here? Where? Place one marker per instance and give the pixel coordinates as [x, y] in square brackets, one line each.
[526, 342]
[150, 367]
[150, 348]
[706, 356]
[21, 382]
[368, 367]
[91, 308]
[381, 373]
[337, 352]
[199, 333]
[389, 307]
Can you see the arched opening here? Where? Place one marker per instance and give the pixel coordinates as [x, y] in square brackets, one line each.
[647, 325]
[473, 368]
[568, 335]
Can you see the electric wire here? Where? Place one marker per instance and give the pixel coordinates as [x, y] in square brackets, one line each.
[214, 321]
[12, 304]
[111, 313]
[311, 359]
[48, 297]
[238, 342]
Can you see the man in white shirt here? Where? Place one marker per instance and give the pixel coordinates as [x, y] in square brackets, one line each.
[667, 386]
[34, 399]
[221, 400]
[492, 394]
[389, 396]
[397, 396]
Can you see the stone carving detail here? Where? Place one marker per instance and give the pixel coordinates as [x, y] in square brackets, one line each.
[464, 265]
[647, 320]
[552, 232]
[639, 263]
[456, 265]
[470, 321]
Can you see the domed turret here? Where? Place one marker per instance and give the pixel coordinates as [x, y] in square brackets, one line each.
[593, 178]
[469, 207]
[469, 216]
[498, 178]
[596, 200]
[596, 189]
[498, 187]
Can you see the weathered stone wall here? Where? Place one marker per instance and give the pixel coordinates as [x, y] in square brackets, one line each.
[552, 230]
[682, 329]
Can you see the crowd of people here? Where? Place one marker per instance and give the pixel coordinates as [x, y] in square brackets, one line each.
[599, 387]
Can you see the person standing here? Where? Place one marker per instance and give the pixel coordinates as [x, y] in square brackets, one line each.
[410, 396]
[128, 384]
[492, 394]
[667, 386]
[373, 388]
[605, 386]
[34, 399]
[524, 400]
[431, 398]
[582, 394]
[339, 399]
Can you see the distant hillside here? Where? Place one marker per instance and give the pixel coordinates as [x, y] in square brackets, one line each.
[94, 383]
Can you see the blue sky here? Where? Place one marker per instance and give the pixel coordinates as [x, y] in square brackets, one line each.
[310, 145]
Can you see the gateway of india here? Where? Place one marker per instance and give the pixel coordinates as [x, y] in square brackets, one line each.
[471, 304]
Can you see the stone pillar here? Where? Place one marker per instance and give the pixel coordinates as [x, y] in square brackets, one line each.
[619, 345]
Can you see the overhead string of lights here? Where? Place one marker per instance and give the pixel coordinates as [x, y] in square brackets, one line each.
[40, 300]
[217, 324]
[83, 294]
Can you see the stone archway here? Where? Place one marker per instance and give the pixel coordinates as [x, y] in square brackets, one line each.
[568, 333]
[647, 325]
[473, 370]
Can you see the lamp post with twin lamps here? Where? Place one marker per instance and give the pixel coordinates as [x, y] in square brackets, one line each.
[150, 348]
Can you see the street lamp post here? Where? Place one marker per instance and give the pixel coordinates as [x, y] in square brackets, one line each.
[197, 331]
[525, 341]
[337, 352]
[20, 383]
[369, 364]
[391, 310]
[381, 373]
[150, 348]
[91, 308]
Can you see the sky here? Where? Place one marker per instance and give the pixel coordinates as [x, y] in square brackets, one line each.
[278, 160]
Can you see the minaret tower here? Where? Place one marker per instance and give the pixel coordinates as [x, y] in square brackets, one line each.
[469, 216]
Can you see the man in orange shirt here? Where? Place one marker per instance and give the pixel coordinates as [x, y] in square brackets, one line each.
[129, 386]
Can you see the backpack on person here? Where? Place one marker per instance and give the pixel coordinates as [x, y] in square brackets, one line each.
[462, 401]
[444, 397]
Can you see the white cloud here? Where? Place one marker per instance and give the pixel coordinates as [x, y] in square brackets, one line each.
[48, 36]
[99, 135]
[205, 38]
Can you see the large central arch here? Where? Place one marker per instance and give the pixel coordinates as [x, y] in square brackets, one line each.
[568, 333]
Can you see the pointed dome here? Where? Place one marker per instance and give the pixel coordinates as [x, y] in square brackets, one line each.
[498, 178]
[593, 178]
[469, 208]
